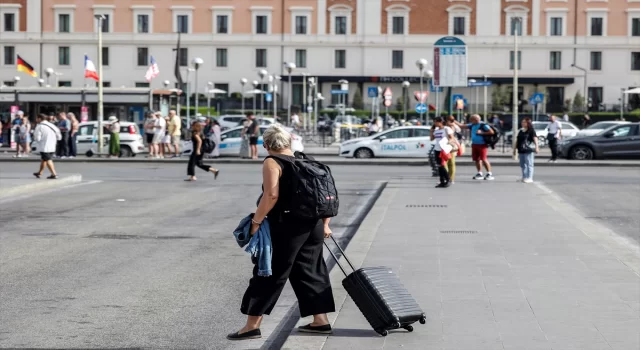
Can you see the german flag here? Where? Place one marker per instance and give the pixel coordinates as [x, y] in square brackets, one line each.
[23, 66]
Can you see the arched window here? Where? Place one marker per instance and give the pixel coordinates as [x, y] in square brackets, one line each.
[340, 19]
[459, 19]
[516, 20]
[398, 19]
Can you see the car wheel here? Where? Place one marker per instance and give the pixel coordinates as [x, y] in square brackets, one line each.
[581, 153]
[125, 152]
[362, 153]
[89, 153]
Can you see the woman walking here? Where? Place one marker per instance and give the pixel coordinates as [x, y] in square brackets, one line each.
[196, 155]
[24, 137]
[75, 126]
[297, 248]
[114, 137]
[216, 134]
[455, 147]
[527, 147]
[441, 134]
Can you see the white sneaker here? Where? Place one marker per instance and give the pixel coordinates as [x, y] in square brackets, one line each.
[478, 176]
[63, 157]
[489, 177]
[520, 180]
[527, 181]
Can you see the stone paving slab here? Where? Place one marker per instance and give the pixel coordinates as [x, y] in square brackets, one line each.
[545, 279]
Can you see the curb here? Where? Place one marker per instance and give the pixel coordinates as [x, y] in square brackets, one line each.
[40, 185]
[343, 161]
[357, 249]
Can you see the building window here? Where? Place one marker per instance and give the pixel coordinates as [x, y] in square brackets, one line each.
[261, 58]
[9, 55]
[222, 24]
[596, 60]
[9, 83]
[105, 24]
[301, 58]
[221, 58]
[341, 25]
[142, 85]
[458, 25]
[635, 27]
[596, 26]
[595, 98]
[64, 23]
[183, 57]
[143, 23]
[9, 22]
[511, 59]
[105, 84]
[261, 24]
[516, 26]
[105, 56]
[635, 61]
[556, 26]
[143, 56]
[64, 83]
[301, 24]
[398, 25]
[397, 59]
[182, 23]
[341, 59]
[223, 87]
[63, 55]
[555, 60]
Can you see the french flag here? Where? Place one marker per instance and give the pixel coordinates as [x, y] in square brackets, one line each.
[90, 69]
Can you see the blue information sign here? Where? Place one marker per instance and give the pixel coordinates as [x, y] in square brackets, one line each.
[421, 108]
[372, 92]
[536, 98]
[339, 92]
[480, 83]
[268, 97]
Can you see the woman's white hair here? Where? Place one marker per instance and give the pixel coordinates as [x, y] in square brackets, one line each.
[276, 138]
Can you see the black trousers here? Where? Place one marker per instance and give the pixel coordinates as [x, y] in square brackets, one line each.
[553, 146]
[297, 256]
[196, 160]
[442, 170]
[73, 148]
[63, 145]
[433, 162]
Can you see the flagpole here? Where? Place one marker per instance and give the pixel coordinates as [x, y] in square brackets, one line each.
[100, 96]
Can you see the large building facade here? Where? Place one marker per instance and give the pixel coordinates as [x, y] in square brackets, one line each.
[367, 42]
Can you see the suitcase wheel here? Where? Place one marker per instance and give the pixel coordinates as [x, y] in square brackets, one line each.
[383, 332]
[409, 328]
[423, 320]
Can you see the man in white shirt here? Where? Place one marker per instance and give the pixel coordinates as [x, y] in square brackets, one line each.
[47, 136]
[295, 120]
[159, 128]
[555, 133]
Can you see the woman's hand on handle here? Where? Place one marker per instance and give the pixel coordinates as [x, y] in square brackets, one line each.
[327, 229]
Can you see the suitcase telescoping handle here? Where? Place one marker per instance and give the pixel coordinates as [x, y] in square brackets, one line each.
[336, 258]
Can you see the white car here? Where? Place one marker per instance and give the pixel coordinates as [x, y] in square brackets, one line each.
[230, 121]
[539, 127]
[131, 142]
[231, 142]
[569, 130]
[598, 127]
[400, 142]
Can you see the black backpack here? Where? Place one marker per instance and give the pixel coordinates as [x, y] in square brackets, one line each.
[313, 189]
[207, 146]
[491, 140]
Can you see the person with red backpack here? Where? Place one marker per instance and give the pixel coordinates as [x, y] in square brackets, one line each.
[482, 137]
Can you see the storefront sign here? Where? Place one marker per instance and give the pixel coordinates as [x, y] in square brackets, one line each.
[84, 114]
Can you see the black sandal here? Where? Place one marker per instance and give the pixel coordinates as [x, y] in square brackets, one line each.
[52, 177]
[36, 175]
[215, 174]
[324, 329]
[252, 334]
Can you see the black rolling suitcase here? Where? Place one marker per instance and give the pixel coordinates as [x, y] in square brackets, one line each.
[381, 297]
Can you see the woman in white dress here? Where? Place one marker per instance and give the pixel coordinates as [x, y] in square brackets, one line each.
[215, 136]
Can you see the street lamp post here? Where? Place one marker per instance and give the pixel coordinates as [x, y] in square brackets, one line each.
[270, 79]
[344, 86]
[473, 88]
[275, 96]
[262, 74]
[426, 102]
[100, 19]
[189, 70]
[485, 99]
[514, 120]
[584, 91]
[421, 64]
[243, 82]
[197, 62]
[255, 90]
[309, 102]
[290, 66]
[209, 87]
[405, 91]
[49, 72]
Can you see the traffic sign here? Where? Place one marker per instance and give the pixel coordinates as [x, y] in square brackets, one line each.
[387, 102]
[387, 94]
[450, 62]
[421, 108]
[435, 88]
[457, 97]
[339, 92]
[481, 83]
[421, 96]
[268, 97]
[372, 92]
[536, 98]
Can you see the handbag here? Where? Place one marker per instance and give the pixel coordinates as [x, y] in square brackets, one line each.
[461, 149]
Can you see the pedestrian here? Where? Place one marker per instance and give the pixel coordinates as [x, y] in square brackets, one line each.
[149, 131]
[114, 137]
[75, 126]
[47, 136]
[159, 126]
[166, 140]
[216, 136]
[554, 134]
[254, 133]
[195, 159]
[23, 137]
[295, 121]
[479, 148]
[443, 137]
[65, 129]
[586, 121]
[526, 147]
[175, 130]
[297, 249]
[565, 117]
[456, 144]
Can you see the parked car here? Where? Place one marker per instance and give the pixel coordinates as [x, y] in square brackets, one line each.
[598, 127]
[230, 120]
[619, 141]
[131, 142]
[266, 121]
[569, 130]
[400, 142]
[338, 107]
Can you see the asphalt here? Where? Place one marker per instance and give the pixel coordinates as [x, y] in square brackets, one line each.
[134, 257]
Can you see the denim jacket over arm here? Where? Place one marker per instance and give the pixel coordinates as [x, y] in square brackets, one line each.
[258, 245]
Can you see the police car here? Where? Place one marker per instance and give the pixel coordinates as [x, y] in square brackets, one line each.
[400, 142]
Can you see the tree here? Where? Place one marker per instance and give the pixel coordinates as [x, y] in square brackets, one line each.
[399, 104]
[567, 105]
[578, 102]
[357, 100]
[498, 98]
